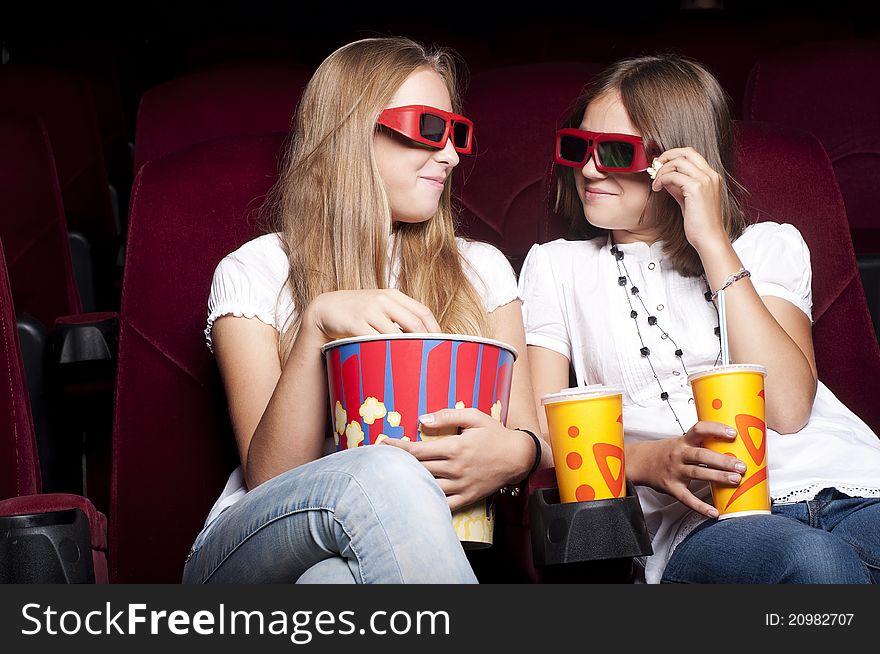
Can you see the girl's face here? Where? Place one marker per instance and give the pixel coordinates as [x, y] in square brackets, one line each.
[415, 175]
[614, 201]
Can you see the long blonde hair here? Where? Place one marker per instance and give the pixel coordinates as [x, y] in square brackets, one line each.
[329, 203]
[673, 101]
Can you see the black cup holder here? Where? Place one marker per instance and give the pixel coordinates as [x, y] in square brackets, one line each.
[578, 532]
[46, 548]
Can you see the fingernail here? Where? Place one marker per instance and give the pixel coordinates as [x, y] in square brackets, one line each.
[426, 419]
[740, 466]
[734, 479]
[713, 513]
[730, 431]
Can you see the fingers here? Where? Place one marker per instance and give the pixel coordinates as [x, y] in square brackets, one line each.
[717, 476]
[453, 494]
[675, 179]
[424, 450]
[709, 459]
[446, 421]
[686, 153]
[418, 313]
[695, 503]
[381, 324]
[706, 429]
[685, 168]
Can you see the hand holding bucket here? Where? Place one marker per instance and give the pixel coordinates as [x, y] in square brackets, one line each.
[380, 385]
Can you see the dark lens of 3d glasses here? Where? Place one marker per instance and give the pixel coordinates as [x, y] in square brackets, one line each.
[616, 154]
[432, 127]
[573, 149]
[460, 134]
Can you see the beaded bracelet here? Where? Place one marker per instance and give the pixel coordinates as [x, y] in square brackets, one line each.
[742, 273]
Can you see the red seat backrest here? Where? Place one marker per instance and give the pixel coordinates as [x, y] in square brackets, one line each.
[63, 100]
[789, 179]
[19, 461]
[503, 190]
[32, 223]
[213, 103]
[830, 89]
[172, 444]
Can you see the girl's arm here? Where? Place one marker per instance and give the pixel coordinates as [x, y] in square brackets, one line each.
[278, 416]
[771, 332]
[768, 331]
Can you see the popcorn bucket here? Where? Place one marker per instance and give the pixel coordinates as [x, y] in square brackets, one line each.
[381, 384]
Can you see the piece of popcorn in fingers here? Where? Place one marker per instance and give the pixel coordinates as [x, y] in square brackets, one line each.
[655, 167]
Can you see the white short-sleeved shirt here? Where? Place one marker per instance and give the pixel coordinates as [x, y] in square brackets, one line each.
[573, 305]
[251, 282]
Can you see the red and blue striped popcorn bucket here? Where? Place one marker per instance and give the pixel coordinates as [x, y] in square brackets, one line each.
[381, 384]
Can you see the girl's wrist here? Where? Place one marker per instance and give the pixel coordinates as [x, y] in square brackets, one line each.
[529, 454]
[712, 243]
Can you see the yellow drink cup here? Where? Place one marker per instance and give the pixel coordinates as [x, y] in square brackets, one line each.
[734, 395]
[586, 433]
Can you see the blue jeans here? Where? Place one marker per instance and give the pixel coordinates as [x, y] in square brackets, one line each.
[368, 515]
[831, 539]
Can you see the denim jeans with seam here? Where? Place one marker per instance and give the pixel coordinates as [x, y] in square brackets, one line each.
[367, 515]
[831, 539]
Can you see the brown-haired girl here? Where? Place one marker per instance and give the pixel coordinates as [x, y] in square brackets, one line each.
[633, 305]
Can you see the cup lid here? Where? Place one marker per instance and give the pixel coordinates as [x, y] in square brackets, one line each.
[733, 367]
[416, 336]
[581, 393]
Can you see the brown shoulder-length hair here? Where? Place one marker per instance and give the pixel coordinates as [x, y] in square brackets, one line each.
[675, 102]
[329, 204]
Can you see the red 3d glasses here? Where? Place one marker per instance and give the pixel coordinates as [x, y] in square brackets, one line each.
[430, 126]
[613, 153]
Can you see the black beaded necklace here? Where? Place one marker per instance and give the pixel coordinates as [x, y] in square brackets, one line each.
[624, 280]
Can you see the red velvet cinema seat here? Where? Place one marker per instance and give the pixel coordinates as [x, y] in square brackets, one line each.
[831, 90]
[48, 307]
[244, 99]
[502, 191]
[173, 447]
[790, 180]
[32, 222]
[32, 548]
[64, 102]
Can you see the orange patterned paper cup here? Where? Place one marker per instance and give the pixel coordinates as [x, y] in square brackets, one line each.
[734, 395]
[586, 433]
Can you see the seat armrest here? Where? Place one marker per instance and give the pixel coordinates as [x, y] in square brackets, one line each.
[55, 538]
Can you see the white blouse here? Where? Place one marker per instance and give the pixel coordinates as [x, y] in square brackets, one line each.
[573, 305]
[251, 282]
